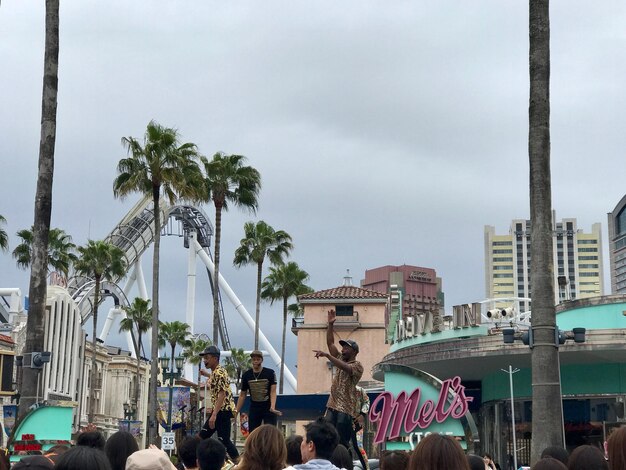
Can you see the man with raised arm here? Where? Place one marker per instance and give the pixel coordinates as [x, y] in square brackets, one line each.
[343, 393]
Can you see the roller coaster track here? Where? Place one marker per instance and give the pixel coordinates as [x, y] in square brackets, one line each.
[133, 235]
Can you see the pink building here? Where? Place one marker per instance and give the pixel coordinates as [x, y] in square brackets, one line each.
[421, 288]
[360, 317]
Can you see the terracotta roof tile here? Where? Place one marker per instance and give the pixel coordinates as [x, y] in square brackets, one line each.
[6, 339]
[343, 292]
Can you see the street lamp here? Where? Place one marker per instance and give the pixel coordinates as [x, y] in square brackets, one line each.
[130, 409]
[179, 363]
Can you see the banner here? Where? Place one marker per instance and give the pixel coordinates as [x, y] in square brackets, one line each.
[8, 414]
[133, 427]
[180, 404]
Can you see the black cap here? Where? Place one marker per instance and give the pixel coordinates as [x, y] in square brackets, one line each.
[34, 462]
[211, 351]
[351, 343]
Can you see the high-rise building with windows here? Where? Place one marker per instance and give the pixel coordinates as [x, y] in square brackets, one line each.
[577, 261]
[617, 247]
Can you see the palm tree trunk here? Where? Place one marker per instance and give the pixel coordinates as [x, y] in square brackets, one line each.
[137, 384]
[258, 304]
[547, 404]
[282, 346]
[154, 345]
[94, 344]
[43, 207]
[216, 273]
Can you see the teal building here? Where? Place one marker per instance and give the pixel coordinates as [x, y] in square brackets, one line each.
[469, 344]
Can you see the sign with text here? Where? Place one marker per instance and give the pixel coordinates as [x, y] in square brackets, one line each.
[416, 404]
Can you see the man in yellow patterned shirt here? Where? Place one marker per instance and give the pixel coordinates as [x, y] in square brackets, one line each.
[221, 400]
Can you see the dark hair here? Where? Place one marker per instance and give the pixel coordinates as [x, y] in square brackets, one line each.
[587, 458]
[211, 454]
[549, 463]
[265, 449]
[394, 459]
[556, 452]
[341, 458]
[324, 436]
[475, 462]
[118, 447]
[437, 452]
[294, 456]
[82, 458]
[617, 449]
[187, 451]
[93, 439]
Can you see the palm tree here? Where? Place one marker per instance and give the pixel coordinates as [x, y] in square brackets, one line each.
[101, 261]
[138, 318]
[61, 254]
[192, 350]
[4, 237]
[284, 282]
[261, 240]
[236, 364]
[43, 207]
[547, 431]
[228, 181]
[173, 333]
[161, 165]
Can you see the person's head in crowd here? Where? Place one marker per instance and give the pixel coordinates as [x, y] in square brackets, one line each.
[437, 452]
[83, 458]
[549, 463]
[211, 454]
[54, 452]
[93, 439]
[341, 458]
[187, 452]
[149, 459]
[319, 441]
[265, 449]
[118, 447]
[294, 456]
[394, 459]
[34, 462]
[587, 458]
[616, 446]
[476, 462]
[556, 452]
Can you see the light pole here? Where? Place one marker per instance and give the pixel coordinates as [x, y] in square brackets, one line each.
[512, 371]
[165, 364]
[130, 409]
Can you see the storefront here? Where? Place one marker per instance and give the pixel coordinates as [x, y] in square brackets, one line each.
[470, 346]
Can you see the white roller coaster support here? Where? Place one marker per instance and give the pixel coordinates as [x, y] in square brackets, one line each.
[191, 295]
[291, 380]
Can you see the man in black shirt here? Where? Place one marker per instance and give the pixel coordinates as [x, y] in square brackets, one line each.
[261, 383]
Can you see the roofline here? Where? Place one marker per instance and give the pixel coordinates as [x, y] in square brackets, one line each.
[372, 300]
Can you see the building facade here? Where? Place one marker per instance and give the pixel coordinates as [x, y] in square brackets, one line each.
[617, 247]
[578, 271]
[472, 347]
[413, 290]
[360, 317]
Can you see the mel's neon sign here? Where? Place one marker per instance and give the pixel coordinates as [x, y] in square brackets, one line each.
[407, 412]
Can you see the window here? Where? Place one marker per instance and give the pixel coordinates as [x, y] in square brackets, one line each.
[587, 242]
[591, 274]
[502, 275]
[503, 260]
[588, 266]
[504, 243]
[502, 252]
[344, 310]
[587, 250]
[587, 258]
[505, 267]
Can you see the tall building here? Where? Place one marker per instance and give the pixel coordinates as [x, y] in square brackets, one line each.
[617, 247]
[412, 289]
[577, 261]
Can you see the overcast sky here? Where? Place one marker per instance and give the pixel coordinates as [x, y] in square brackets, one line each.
[385, 132]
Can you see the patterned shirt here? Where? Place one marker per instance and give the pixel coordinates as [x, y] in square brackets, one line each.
[343, 394]
[218, 382]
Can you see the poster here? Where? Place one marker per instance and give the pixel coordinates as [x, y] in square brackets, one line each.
[180, 405]
[8, 414]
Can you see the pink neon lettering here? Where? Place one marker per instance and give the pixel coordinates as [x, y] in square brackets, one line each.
[406, 409]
